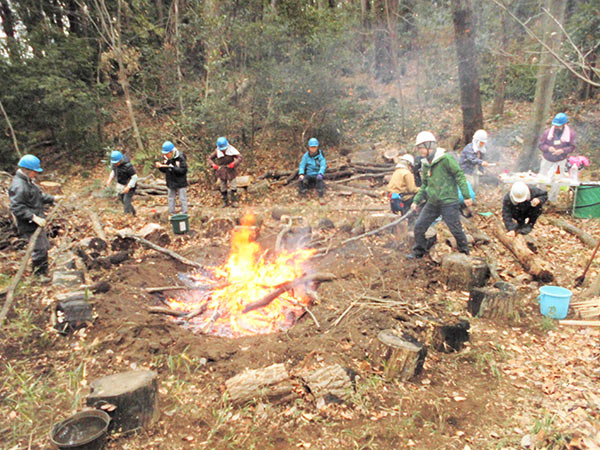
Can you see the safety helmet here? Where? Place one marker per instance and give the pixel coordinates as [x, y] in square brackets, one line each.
[423, 137]
[519, 192]
[167, 147]
[481, 136]
[30, 162]
[408, 158]
[222, 143]
[313, 142]
[560, 119]
[115, 156]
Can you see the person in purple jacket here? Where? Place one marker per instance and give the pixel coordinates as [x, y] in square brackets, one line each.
[556, 144]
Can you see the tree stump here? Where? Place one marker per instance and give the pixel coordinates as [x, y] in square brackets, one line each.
[131, 399]
[70, 278]
[273, 383]
[450, 338]
[462, 272]
[497, 302]
[73, 313]
[402, 356]
[330, 383]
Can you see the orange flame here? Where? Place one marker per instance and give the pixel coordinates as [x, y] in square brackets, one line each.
[245, 278]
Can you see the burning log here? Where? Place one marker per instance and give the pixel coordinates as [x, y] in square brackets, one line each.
[518, 247]
[130, 398]
[497, 302]
[450, 338]
[402, 357]
[272, 383]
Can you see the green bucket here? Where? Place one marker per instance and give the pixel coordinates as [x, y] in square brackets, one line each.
[587, 201]
[181, 223]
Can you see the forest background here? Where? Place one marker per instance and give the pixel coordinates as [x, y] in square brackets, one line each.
[81, 78]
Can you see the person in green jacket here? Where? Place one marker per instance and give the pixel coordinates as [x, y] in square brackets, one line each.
[440, 174]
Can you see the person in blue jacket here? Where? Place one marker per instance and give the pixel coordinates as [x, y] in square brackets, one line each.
[312, 168]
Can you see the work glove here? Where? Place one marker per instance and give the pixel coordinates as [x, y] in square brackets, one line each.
[58, 197]
[39, 221]
[301, 177]
[215, 167]
[231, 165]
[320, 177]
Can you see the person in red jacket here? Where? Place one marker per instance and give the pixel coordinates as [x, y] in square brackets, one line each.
[556, 144]
[224, 160]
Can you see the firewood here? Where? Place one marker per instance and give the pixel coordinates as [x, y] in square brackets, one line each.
[518, 247]
[329, 381]
[402, 357]
[172, 254]
[272, 383]
[133, 393]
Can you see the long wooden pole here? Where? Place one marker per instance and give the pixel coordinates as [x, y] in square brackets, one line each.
[12, 132]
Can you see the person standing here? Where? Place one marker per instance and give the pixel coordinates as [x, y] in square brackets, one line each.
[27, 202]
[225, 160]
[312, 169]
[124, 172]
[441, 174]
[471, 159]
[402, 187]
[521, 208]
[556, 144]
[175, 168]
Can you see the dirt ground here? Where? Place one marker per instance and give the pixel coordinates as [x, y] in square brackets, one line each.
[524, 383]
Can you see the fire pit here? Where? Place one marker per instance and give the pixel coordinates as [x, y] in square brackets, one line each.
[250, 294]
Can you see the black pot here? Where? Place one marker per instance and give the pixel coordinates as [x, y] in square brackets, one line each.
[85, 430]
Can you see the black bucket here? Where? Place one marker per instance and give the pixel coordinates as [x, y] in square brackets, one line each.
[85, 430]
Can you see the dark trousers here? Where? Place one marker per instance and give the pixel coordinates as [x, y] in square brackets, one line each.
[39, 257]
[311, 181]
[126, 200]
[529, 218]
[451, 215]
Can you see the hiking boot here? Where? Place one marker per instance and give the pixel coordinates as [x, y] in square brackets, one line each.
[234, 202]
[525, 229]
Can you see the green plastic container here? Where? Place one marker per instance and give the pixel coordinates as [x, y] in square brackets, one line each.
[181, 223]
[587, 201]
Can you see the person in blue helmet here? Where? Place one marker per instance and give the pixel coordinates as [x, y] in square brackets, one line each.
[175, 168]
[27, 203]
[312, 169]
[124, 172]
[225, 161]
[556, 144]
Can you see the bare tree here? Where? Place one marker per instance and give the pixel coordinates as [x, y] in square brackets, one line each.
[544, 88]
[468, 75]
[109, 30]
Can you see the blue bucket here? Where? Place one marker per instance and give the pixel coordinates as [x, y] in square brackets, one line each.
[554, 301]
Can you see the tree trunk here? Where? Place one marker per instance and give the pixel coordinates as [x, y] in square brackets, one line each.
[382, 49]
[497, 302]
[12, 132]
[178, 56]
[546, 77]
[500, 80]
[467, 68]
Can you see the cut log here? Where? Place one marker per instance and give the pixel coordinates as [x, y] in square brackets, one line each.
[272, 383]
[402, 357]
[583, 236]
[243, 181]
[330, 383]
[133, 394]
[68, 278]
[51, 187]
[450, 338]
[518, 247]
[72, 314]
[96, 224]
[462, 272]
[497, 302]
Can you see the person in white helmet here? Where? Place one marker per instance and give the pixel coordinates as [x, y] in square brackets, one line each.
[471, 159]
[521, 208]
[439, 195]
[402, 188]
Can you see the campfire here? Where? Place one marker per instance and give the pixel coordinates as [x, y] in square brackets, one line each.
[252, 293]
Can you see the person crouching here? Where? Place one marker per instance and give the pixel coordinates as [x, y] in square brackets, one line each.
[521, 208]
[312, 169]
[402, 187]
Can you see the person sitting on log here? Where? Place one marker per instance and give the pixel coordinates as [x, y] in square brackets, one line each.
[471, 159]
[402, 188]
[225, 160]
[27, 205]
[124, 172]
[441, 173]
[175, 168]
[312, 169]
[521, 208]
